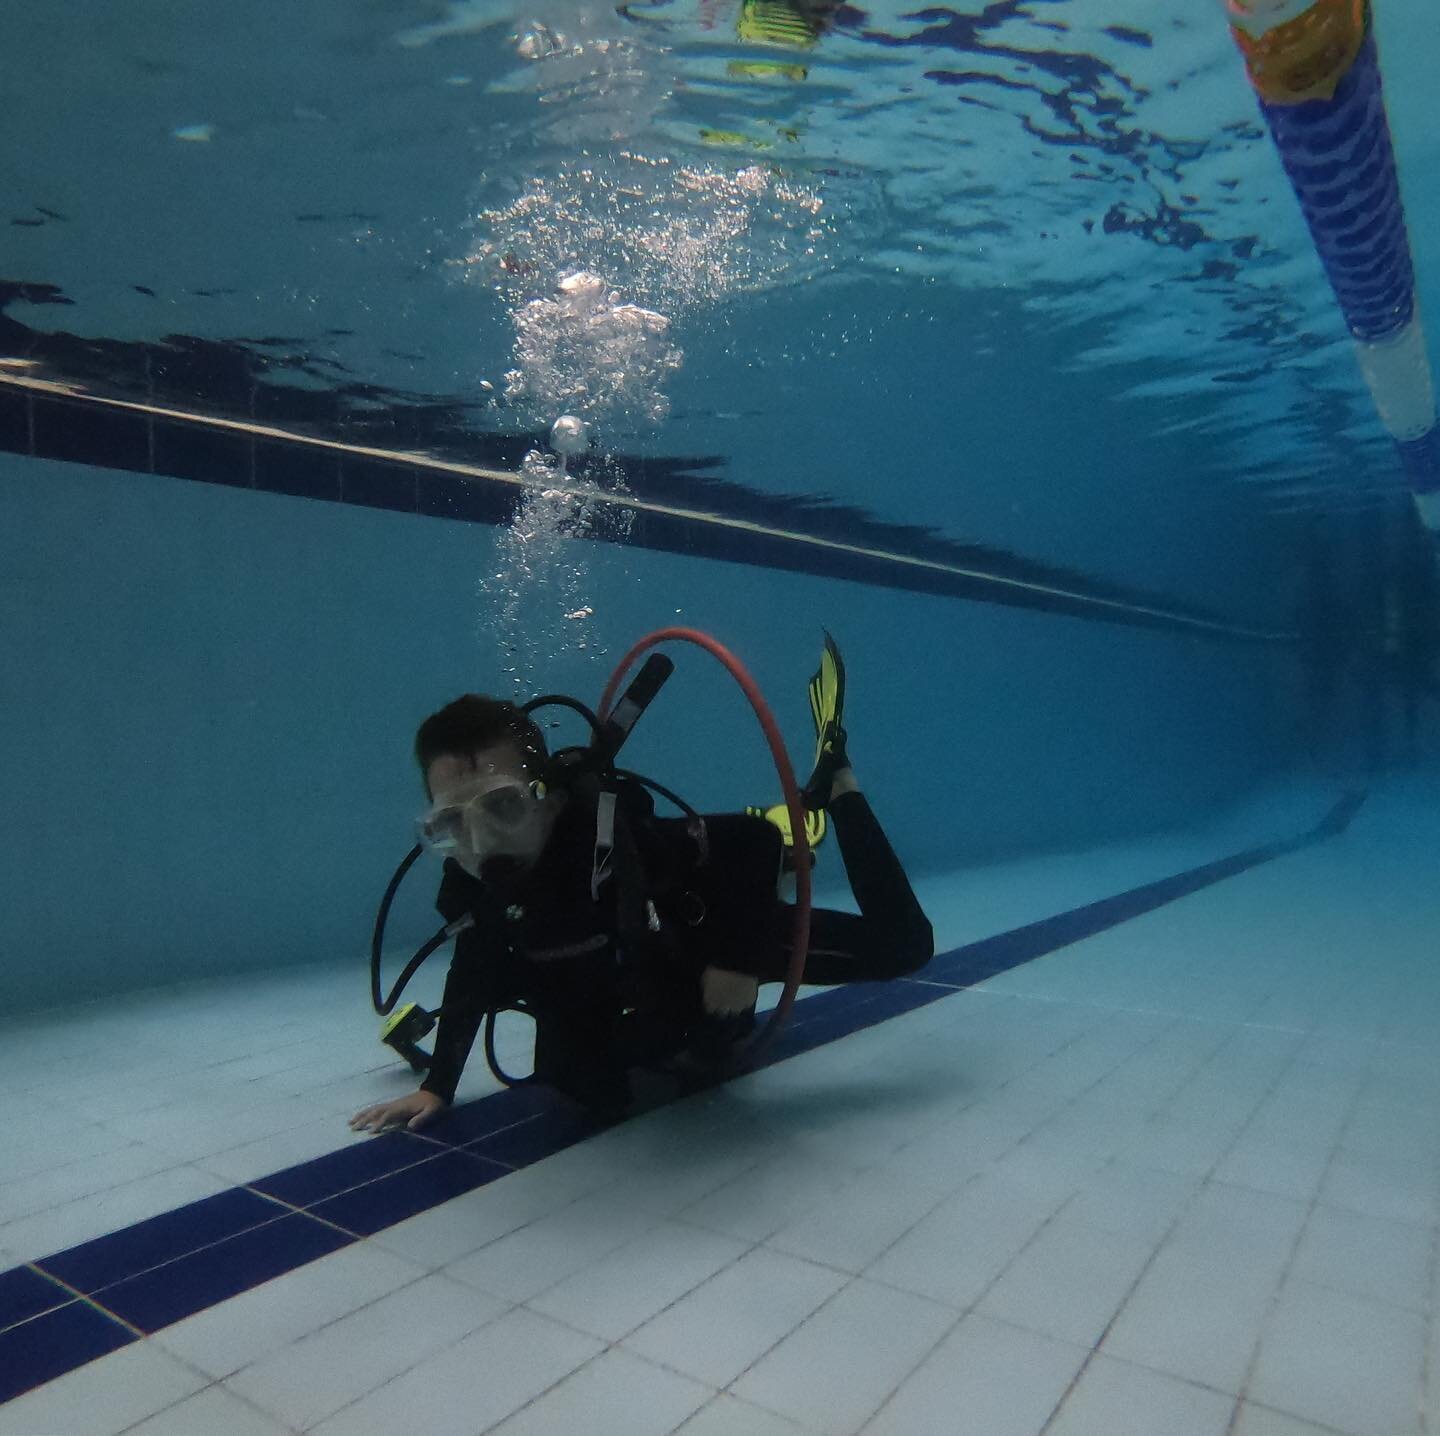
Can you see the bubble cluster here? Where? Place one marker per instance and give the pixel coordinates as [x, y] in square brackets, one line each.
[593, 264]
[539, 576]
[596, 261]
[670, 234]
[584, 348]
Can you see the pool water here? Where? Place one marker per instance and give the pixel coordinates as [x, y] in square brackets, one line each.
[991, 340]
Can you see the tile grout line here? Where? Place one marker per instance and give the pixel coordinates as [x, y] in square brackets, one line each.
[960, 1314]
[212, 1385]
[1272, 1305]
[608, 1346]
[1377, 1042]
[1167, 1235]
[84, 1298]
[422, 1274]
[973, 1307]
[1432, 1274]
[431, 1356]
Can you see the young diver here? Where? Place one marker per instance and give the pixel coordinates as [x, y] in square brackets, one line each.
[522, 865]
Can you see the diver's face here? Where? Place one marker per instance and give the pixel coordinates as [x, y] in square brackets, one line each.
[485, 806]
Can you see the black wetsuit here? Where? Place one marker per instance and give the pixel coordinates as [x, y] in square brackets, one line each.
[615, 982]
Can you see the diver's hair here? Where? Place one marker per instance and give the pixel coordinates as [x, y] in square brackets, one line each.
[472, 722]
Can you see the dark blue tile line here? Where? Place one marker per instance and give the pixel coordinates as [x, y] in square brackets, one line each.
[26, 1293]
[297, 469]
[474, 1120]
[79, 432]
[844, 1010]
[309, 1182]
[205, 450]
[48, 1346]
[536, 1137]
[167, 1294]
[100, 1263]
[377, 484]
[369, 1209]
[15, 421]
[162, 1270]
[203, 454]
[978, 960]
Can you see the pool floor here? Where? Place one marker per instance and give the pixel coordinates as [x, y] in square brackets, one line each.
[1180, 1176]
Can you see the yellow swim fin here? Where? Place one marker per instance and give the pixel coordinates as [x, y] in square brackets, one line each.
[827, 694]
[827, 709]
[778, 816]
[779, 22]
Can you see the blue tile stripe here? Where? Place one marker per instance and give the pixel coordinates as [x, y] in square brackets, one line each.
[166, 1294]
[309, 1182]
[120, 434]
[65, 1310]
[38, 1351]
[26, 1293]
[369, 1209]
[95, 1265]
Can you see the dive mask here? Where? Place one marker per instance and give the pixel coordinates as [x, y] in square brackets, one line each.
[492, 817]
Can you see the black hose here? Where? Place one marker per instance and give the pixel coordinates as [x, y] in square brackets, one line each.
[386, 1005]
[500, 1074]
[659, 788]
[376, 941]
[563, 700]
[439, 940]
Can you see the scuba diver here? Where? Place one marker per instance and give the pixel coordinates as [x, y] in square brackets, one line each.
[634, 942]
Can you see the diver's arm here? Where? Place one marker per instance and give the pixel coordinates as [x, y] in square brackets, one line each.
[460, 1017]
[461, 1013]
[463, 1005]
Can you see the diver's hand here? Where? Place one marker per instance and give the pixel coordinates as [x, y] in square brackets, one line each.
[411, 1112]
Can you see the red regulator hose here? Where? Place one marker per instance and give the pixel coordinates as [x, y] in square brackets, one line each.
[788, 786]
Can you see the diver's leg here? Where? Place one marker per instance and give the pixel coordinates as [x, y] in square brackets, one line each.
[891, 937]
[842, 948]
[883, 892]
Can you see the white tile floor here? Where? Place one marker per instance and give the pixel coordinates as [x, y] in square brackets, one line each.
[1181, 1179]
